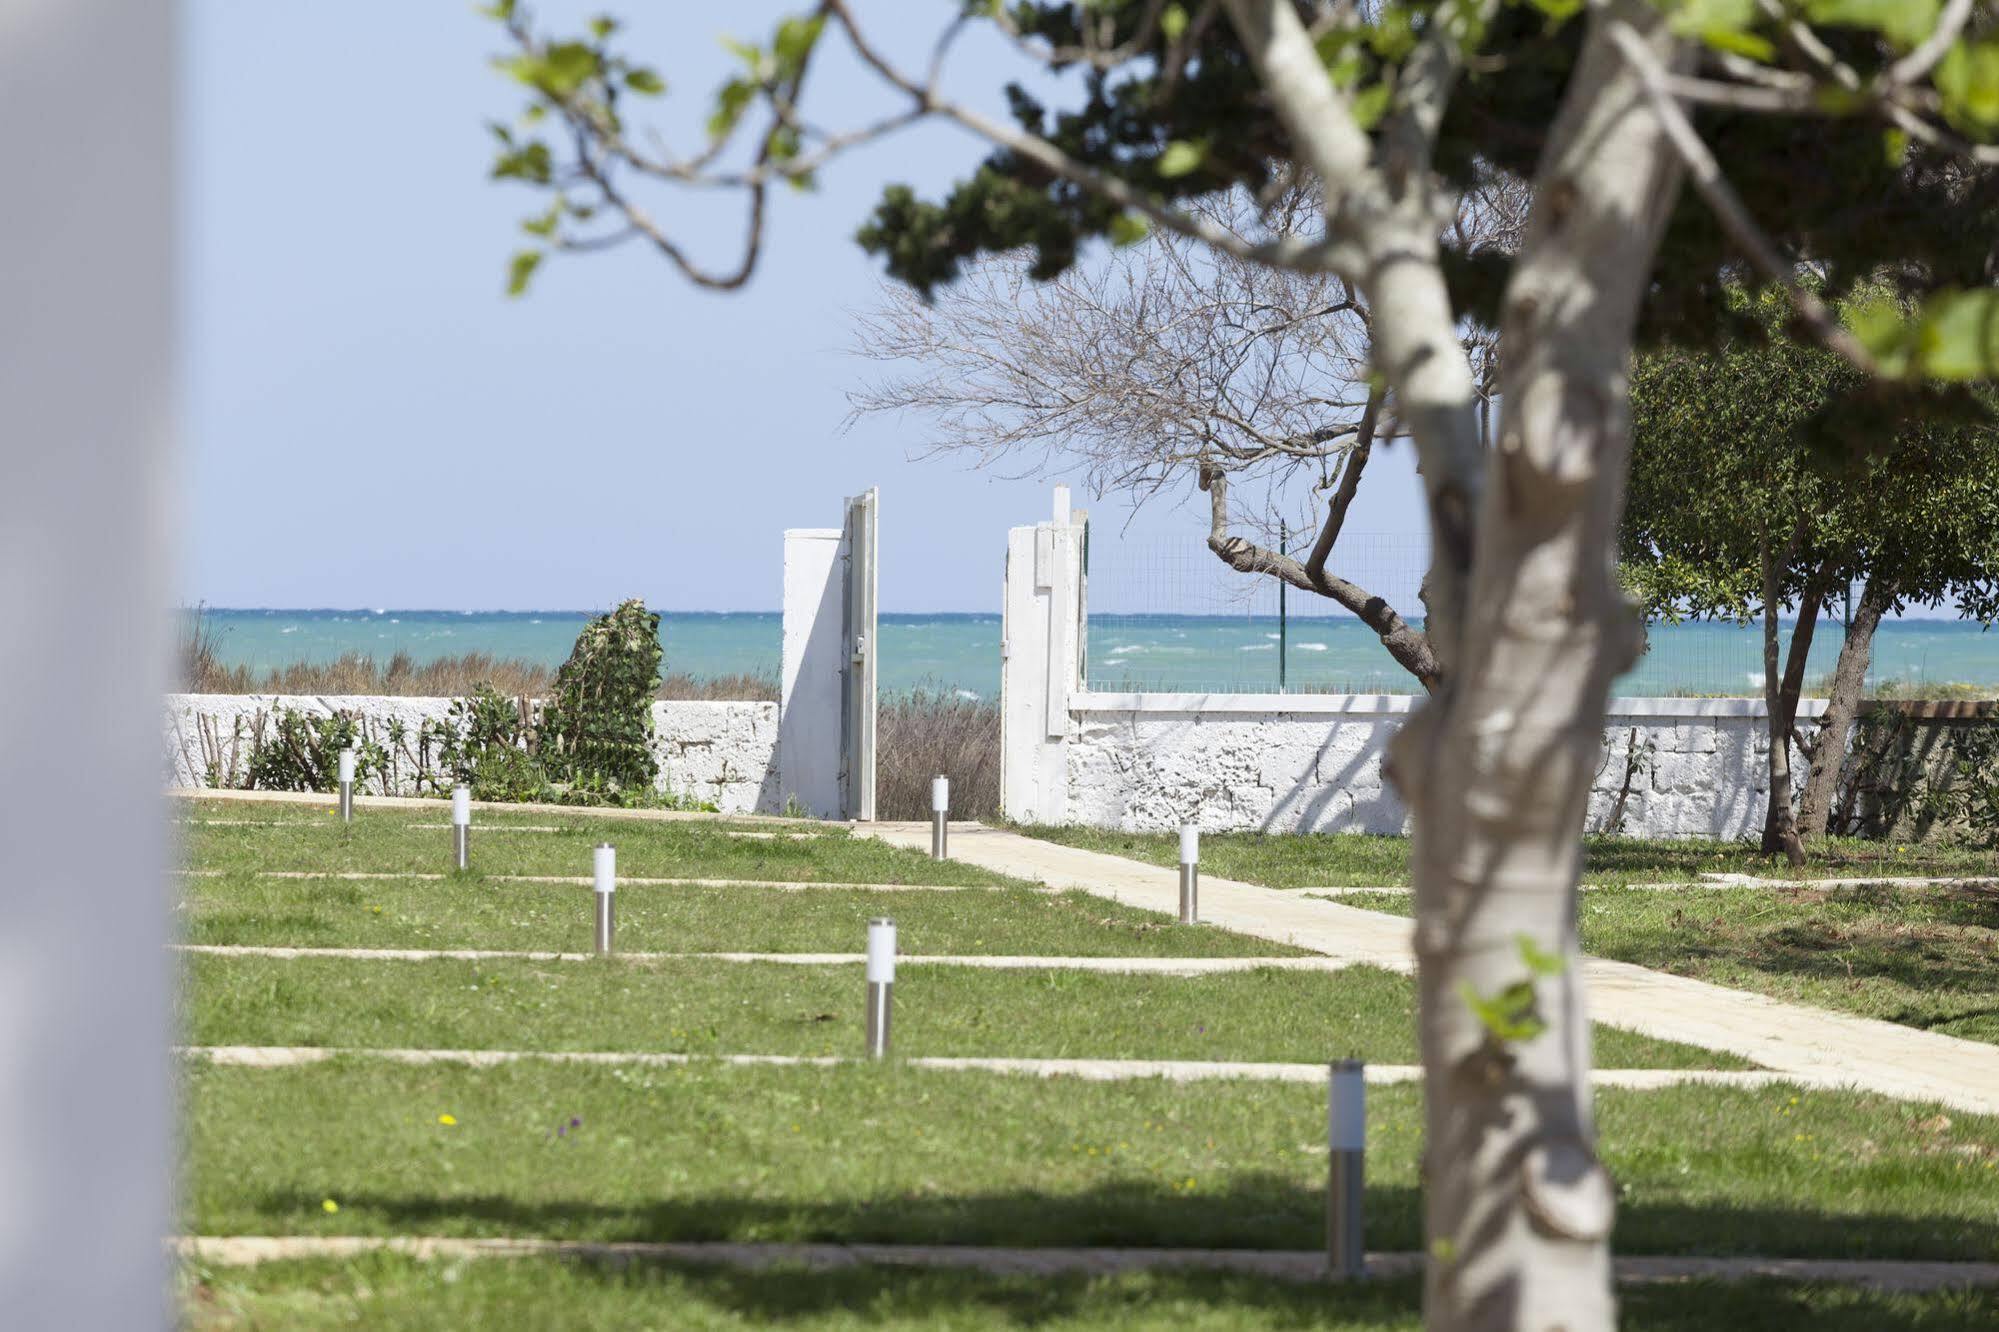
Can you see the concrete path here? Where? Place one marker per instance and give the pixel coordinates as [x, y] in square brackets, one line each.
[1086, 1070]
[1865, 1053]
[1122, 966]
[1281, 1264]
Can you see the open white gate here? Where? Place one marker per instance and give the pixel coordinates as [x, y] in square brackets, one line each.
[826, 719]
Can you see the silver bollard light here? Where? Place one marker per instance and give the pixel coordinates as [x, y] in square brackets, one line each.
[461, 826]
[1346, 1135]
[1190, 874]
[604, 865]
[940, 810]
[881, 983]
[347, 785]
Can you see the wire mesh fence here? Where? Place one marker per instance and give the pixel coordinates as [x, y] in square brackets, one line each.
[1166, 615]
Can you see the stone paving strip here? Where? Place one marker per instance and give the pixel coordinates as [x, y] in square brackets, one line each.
[1281, 1264]
[1864, 1053]
[1709, 883]
[1122, 966]
[1086, 1070]
[482, 827]
[624, 881]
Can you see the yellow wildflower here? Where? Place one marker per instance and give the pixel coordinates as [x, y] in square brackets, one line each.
[329, 1205]
[447, 1120]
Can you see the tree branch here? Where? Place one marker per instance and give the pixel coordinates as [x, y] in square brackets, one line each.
[1336, 512]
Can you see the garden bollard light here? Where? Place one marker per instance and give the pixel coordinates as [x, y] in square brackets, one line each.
[1346, 1135]
[347, 786]
[604, 861]
[1190, 874]
[881, 983]
[940, 808]
[461, 826]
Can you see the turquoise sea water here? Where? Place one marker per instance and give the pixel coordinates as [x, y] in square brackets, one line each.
[1237, 653]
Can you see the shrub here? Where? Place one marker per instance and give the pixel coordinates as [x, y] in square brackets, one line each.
[596, 732]
[920, 734]
[303, 753]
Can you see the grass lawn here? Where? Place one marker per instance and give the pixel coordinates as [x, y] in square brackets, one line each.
[401, 913]
[882, 1153]
[1323, 860]
[389, 841]
[397, 1293]
[1923, 957]
[713, 1007]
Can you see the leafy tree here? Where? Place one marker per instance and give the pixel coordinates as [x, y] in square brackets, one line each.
[1853, 134]
[1768, 474]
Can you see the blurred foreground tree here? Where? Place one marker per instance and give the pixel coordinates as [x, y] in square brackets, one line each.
[1853, 135]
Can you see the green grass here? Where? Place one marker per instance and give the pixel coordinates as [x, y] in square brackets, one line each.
[1923, 957]
[890, 1154]
[713, 1007]
[388, 841]
[1323, 860]
[396, 1293]
[392, 913]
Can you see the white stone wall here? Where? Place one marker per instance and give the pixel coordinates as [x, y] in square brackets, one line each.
[724, 752]
[1281, 763]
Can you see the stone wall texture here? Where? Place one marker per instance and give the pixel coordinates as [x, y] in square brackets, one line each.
[724, 753]
[1670, 767]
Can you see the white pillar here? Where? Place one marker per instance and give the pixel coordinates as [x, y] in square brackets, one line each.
[810, 698]
[1041, 662]
[87, 371]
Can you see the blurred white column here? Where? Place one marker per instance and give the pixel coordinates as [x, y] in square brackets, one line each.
[87, 406]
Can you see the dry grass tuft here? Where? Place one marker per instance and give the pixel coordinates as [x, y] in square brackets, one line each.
[920, 734]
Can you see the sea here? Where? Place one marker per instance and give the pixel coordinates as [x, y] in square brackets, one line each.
[958, 654]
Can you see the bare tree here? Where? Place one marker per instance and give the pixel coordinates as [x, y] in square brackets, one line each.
[1527, 621]
[1164, 363]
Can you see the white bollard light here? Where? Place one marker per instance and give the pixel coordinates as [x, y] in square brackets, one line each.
[604, 866]
[881, 983]
[461, 826]
[1190, 874]
[347, 757]
[940, 810]
[1346, 1135]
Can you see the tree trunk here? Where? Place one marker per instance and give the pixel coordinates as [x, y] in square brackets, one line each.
[1780, 693]
[1849, 679]
[1518, 1208]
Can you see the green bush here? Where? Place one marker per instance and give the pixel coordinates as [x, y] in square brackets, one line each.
[303, 753]
[596, 732]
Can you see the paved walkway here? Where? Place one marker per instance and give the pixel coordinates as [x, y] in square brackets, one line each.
[1833, 1048]
[1086, 1070]
[1281, 1264]
[1123, 966]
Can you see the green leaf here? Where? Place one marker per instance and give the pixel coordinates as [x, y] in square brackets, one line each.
[1128, 229]
[1180, 158]
[1173, 22]
[520, 270]
[731, 101]
[1747, 44]
[1370, 104]
[1509, 1016]
[1959, 337]
[1559, 10]
[603, 26]
[503, 10]
[1968, 78]
[545, 224]
[1539, 961]
[530, 162]
[646, 81]
[793, 43]
[1903, 22]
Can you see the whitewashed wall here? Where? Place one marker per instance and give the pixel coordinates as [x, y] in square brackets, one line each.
[723, 752]
[1288, 762]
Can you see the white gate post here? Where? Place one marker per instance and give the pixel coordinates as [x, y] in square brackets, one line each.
[1041, 661]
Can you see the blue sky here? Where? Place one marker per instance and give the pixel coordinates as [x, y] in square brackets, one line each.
[370, 422]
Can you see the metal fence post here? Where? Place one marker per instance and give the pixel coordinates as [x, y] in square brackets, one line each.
[1346, 1137]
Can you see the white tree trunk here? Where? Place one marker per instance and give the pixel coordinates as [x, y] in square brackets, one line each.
[1518, 1209]
[1531, 628]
